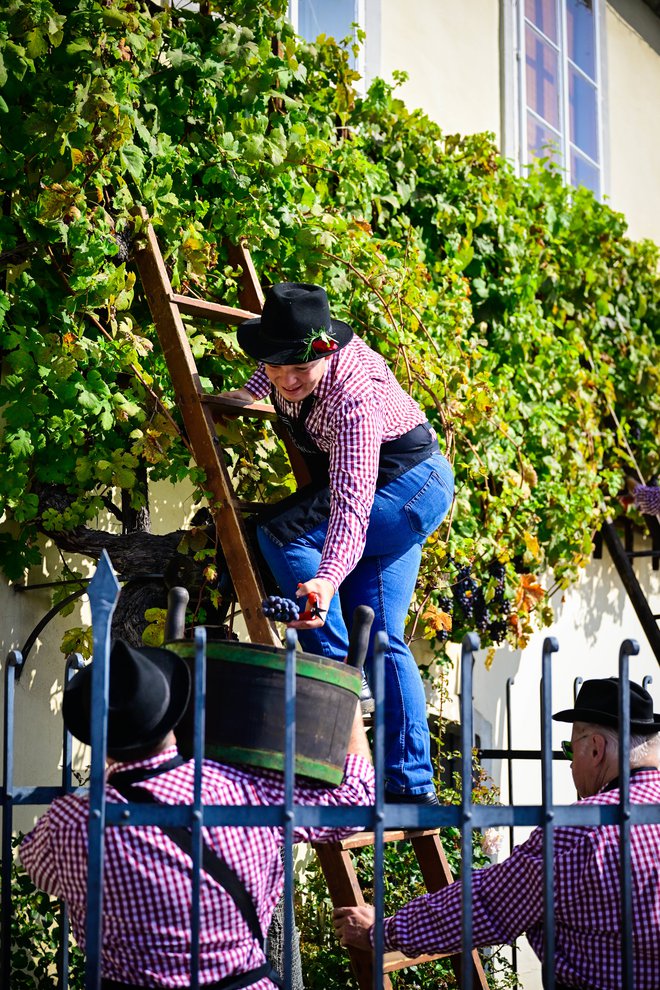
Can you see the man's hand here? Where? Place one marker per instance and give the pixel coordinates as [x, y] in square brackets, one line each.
[324, 591]
[353, 924]
[240, 396]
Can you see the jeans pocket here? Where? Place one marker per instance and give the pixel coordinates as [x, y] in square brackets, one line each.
[426, 510]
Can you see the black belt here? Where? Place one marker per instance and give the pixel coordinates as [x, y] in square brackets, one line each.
[227, 983]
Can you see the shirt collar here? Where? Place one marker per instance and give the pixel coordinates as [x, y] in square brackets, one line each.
[614, 784]
[151, 761]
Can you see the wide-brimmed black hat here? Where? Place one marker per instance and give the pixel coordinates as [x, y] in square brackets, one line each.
[295, 326]
[598, 702]
[149, 691]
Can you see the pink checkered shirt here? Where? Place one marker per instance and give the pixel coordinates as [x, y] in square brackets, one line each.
[359, 405]
[508, 900]
[147, 878]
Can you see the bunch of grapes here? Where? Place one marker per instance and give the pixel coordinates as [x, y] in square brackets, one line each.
[465, 601]
[280, 609]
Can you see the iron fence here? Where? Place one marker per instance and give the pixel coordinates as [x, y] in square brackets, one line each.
[103, 591]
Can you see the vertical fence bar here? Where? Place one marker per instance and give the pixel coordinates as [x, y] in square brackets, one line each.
[471, 644]
[102, 592]
[13, 666]
[577, 684]
[629, 648]
[378, 669]
[289, 782]
[550, 646]
[199, 687]
[74, 662]
[510, 681]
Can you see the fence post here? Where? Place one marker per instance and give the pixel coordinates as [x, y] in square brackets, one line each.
[550, 646]
[629, 647]
[471, 644]
[378, 674]
[14, 663]
[103, 591]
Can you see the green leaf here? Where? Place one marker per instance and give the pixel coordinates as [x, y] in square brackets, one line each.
[133, 159]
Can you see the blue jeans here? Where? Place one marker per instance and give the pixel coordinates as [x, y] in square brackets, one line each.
[405, 512]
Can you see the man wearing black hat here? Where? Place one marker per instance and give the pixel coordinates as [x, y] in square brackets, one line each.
[507, 898]
[379, 488]
[147, 870]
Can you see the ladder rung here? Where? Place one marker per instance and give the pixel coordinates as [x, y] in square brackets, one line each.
[211, 311]
[361, 839]
[234, 407]
[255, 507]
[396, 960]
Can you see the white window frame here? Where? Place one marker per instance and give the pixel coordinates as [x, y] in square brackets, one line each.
[514, 89]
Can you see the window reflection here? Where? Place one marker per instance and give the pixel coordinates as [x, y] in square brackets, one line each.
[542, 78]
[542, 141]
[583, 113]
[583, 173]
[581, 35]
[543, 14]
[317, 17]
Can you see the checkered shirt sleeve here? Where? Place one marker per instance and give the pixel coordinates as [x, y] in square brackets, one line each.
[147, 877]
[359, 405]
[507, 900]
[647, 499]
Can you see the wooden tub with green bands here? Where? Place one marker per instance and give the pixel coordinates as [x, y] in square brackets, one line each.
[245, 720]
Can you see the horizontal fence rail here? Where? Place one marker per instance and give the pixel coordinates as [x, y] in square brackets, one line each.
[466, 816]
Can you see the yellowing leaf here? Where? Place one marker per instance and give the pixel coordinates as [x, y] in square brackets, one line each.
[532, 544]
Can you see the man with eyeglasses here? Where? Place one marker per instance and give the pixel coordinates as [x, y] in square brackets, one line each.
[507, 897]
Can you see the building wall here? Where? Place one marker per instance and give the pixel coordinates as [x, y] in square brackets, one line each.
[450, 50]
[633, 103]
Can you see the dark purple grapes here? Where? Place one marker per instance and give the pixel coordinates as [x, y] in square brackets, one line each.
[280, 609]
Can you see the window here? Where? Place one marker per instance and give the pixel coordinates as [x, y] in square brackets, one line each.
[335, 18]
[560, 87]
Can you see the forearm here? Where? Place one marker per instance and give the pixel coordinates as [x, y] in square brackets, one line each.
[358, 742]
[507, 899]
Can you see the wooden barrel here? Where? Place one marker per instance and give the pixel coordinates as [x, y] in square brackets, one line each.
[245, 720]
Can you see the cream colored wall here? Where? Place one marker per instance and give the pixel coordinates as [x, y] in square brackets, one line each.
[450, 49]
[38, 696]
[633, 114]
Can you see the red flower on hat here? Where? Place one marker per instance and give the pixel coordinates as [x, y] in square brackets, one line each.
[319, 343]
[324, 346]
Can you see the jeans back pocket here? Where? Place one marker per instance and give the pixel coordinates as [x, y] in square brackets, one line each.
[426, 510]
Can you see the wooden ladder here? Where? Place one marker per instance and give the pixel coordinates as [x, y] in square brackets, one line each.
[197, 410]
[198, 407]
[344, 888]
[623, 554]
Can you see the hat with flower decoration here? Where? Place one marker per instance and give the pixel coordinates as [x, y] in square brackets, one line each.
[295, 326]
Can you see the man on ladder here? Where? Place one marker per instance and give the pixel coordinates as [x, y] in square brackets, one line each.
[379, 487]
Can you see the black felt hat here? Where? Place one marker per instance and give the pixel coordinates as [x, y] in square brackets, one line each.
[598, 703]
[295, 326]
[149, 692]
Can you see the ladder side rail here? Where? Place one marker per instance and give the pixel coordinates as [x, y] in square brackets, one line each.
[344, 889]
[204, 441]
[250, 294]
[632, 586]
